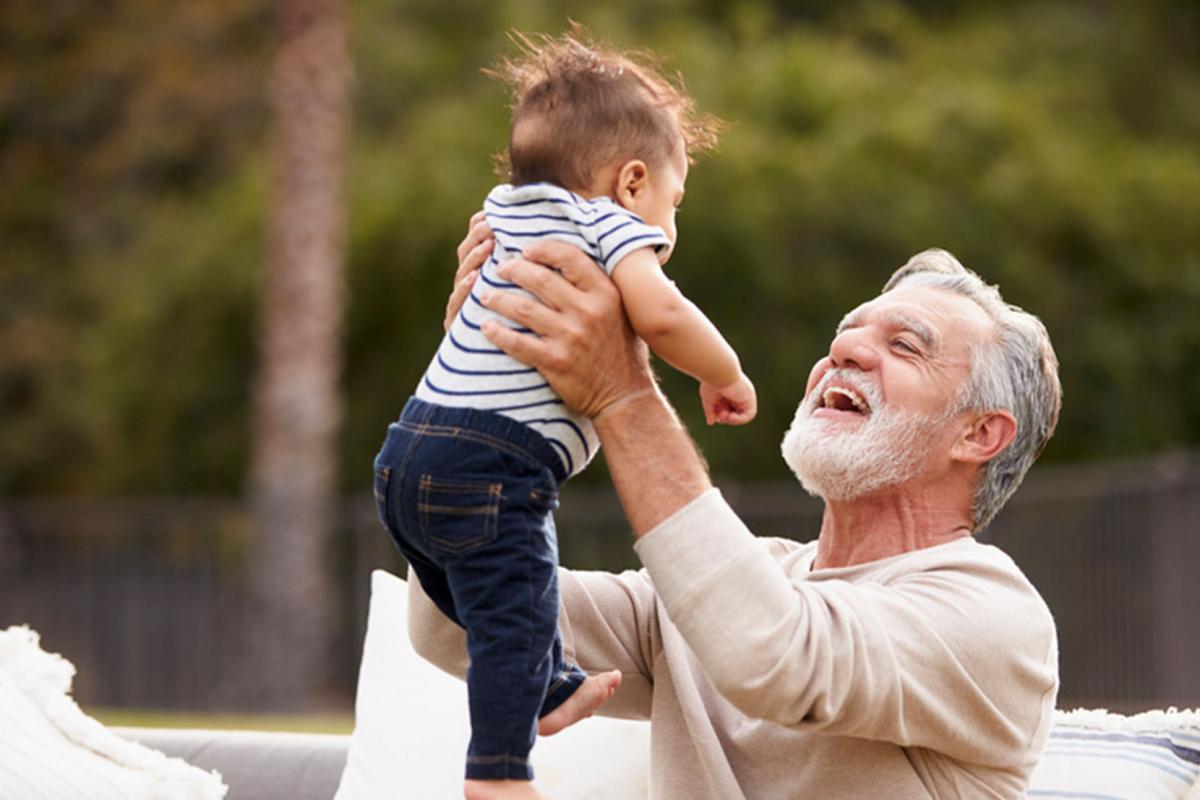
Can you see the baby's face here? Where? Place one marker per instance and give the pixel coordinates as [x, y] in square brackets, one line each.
[663, 194]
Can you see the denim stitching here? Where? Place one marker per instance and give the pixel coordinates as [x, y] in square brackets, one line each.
[408, 454]
[490, 512]
[383, 473]
[401, 470]
[532, 654]
[450, 486]
[381, 496]
[418, 426]
[466, 511]
[430, 429]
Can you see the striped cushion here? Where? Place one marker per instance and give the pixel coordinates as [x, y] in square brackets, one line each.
[1095, 755]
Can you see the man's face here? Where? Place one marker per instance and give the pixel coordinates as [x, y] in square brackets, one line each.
[879, 409]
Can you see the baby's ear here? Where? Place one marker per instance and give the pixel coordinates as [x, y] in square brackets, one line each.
[631, 180]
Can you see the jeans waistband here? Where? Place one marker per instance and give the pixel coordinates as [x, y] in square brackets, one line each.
[515, 434]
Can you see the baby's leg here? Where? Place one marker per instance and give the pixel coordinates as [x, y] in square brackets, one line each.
[594, 692]
[573, 695]
[505, 593]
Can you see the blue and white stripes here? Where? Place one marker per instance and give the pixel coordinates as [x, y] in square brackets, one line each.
[1119, 758]
[468, 371]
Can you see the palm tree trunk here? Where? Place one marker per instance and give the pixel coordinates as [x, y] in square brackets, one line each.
[297, 399]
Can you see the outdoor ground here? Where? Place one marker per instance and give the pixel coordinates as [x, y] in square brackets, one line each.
[296, 723]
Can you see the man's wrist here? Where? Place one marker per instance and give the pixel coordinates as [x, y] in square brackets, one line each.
[625, 400]
[655, 467]
[633, 410]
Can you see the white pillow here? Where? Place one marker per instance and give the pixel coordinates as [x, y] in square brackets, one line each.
[51, 750]
[411, 727]
[1149, 756]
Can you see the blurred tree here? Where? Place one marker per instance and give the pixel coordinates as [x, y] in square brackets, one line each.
[293, 480]
[119, 124]
[1051, 145]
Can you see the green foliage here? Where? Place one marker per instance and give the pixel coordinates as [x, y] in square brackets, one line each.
[1051, 146]
[119, 123]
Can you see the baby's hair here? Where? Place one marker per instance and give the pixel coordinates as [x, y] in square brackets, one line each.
[578, 106]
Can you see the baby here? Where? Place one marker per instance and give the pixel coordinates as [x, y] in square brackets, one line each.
[468, 477]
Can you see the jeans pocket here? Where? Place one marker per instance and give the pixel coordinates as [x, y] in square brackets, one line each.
[383, 477]
[458, 516]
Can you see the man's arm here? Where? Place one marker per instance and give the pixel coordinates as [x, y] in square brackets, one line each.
[956, 653]
[587, 351]
[889, 663]
[654, 464]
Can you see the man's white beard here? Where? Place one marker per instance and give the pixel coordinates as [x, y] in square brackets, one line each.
[838, 464]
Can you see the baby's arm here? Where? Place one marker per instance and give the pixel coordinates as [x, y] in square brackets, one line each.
[682, 336]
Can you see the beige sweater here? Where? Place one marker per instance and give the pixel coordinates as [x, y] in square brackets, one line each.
[930, 674]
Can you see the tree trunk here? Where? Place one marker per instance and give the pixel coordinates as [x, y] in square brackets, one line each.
[297, 399]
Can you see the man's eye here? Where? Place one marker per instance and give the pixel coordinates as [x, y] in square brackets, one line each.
[904, 345]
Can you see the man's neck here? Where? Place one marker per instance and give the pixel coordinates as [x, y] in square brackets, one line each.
[888, 524]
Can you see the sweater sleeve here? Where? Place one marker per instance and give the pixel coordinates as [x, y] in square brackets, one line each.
[959, 658]
[609, 621]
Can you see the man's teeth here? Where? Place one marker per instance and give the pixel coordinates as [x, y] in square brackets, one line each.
[837, 397]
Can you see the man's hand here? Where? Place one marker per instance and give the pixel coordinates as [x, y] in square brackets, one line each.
[473, 251]
[735, 404]
[581, 323]
[587, 351]
[584, 346]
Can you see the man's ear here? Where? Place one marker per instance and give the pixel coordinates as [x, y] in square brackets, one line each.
[631, 180]
[987, 436]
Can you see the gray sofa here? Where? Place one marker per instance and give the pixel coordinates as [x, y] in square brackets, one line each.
[257, 765]
[302, 766]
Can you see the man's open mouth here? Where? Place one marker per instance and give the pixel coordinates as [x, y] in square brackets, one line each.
[842, 398]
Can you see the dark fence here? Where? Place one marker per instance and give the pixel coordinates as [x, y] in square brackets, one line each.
[143, 593]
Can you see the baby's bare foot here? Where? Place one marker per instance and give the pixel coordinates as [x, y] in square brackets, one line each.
[592, 693]
[500, 790]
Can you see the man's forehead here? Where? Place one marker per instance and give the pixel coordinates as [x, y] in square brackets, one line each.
[930, 312]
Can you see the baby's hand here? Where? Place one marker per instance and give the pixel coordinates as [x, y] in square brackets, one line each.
[735, 404]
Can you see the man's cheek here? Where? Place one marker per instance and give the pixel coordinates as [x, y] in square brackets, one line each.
[818, 371]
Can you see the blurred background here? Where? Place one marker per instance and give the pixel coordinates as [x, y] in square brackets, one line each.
[227, 232]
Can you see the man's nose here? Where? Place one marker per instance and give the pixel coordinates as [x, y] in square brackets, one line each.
[853, 348]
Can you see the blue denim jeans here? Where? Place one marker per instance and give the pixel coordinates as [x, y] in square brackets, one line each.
[468, 498]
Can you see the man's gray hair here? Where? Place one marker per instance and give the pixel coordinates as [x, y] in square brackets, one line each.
[1016, 371]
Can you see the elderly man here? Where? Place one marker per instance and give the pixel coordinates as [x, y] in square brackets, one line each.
[895, 656]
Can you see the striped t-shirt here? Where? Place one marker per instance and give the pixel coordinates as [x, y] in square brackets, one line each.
[468, 371]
